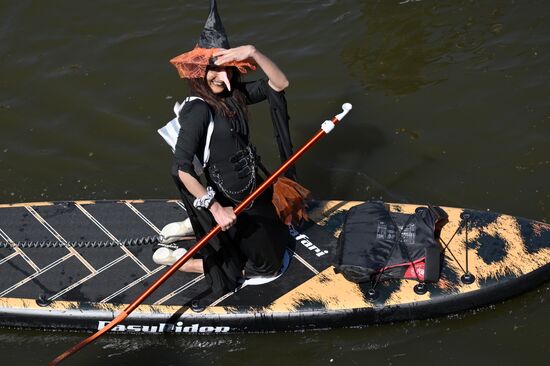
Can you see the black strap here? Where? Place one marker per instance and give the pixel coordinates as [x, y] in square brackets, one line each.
[400, 242]
[396, 243]
[258, 158]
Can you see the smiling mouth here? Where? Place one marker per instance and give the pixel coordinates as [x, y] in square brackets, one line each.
[220, 81]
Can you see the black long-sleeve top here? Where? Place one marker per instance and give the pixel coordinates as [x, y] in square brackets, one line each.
[195, 117]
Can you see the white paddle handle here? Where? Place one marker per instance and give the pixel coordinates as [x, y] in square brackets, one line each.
[328, 126]
[346, 107]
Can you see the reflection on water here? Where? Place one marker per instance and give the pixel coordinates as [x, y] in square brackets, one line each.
[405, 48]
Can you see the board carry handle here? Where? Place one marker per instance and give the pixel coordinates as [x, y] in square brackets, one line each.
[326, 128]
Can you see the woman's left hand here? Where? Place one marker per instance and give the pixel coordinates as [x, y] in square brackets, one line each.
[240, 53]
[277, 79]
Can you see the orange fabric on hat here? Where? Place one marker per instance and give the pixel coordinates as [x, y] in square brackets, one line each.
[193, 64]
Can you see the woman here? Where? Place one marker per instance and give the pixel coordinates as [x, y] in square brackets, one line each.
[255, 243]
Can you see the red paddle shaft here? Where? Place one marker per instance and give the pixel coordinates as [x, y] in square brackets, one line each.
[325, 128]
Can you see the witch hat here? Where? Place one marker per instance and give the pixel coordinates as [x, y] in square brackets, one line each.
[213, 35]
[193, 64]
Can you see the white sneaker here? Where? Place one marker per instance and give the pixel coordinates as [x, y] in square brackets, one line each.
[176, 231]
[178, 253]
[167, 257]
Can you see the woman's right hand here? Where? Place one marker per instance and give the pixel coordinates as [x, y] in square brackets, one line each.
[224, 216]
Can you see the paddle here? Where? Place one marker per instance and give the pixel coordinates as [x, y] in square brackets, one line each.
[326, 127]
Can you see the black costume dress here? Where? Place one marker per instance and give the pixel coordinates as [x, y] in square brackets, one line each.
[257, 242]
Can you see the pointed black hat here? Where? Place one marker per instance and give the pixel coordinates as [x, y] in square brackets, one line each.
[213, 35]
[193, 64]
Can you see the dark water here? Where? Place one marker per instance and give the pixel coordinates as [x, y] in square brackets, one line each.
[451, 106]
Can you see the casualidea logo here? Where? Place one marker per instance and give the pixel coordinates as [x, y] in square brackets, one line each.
[165, 328]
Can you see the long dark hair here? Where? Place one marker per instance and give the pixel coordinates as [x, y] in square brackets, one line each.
[199, 87]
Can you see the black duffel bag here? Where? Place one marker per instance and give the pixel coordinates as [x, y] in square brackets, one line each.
[375, 241]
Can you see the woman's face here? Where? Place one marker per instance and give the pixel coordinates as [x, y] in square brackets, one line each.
[217, 78]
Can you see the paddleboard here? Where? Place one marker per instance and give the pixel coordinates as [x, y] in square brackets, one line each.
[74, 265]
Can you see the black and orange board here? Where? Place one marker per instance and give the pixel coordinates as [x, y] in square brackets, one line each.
[82, 288]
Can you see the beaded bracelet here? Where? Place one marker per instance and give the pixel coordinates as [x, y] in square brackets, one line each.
[206, 200]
